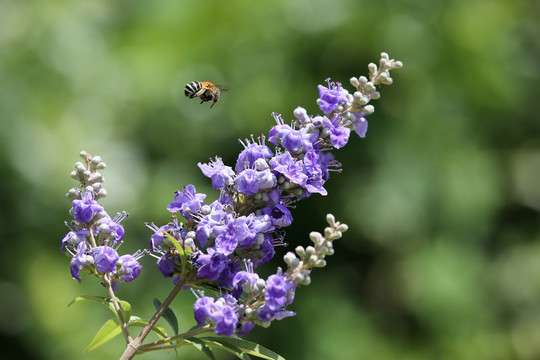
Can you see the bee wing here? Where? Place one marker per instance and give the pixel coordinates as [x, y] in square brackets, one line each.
[223, 87]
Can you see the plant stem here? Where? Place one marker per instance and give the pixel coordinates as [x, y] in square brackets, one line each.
[123, 323]
[133, 347]
[152, 346]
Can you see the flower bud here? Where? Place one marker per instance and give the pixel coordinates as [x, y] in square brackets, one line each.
[260, 285]
[362, 80]
[205, 209]
[355, 82]
[330, 219]
[306, 281]
[80, 167]
[320, 263]
[84, 155]
[74, 193]
[96, 178]
[316, 237]
[300, 251]
[101, 193]
[289, 257]
[298, 278]
[369, 109]
[310, 250]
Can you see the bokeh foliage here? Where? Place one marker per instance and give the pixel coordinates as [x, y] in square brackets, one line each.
[442, 259]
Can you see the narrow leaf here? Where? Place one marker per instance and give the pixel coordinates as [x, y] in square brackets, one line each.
[176, 244]
[248, 346]
[168, 315]
[200, 345]
[125, 307]
[159, 330]
[109, 330]
[217, 343]
[88, 297]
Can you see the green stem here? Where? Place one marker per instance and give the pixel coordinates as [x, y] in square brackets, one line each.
[134, 346]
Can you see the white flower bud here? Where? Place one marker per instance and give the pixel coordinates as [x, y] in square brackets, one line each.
[316, 237]
[320, 263]
[289, 257]
[369, 109]
[260, 285]
[355, 82]
[362, 80]
[79, 166]
[310, 250]
[205, 209]
[102, 193]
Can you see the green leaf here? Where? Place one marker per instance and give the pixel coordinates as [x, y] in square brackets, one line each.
[218, 343]
[200, 345]
[176, 244]
[109, 330]
[88, 297]
[168, 315]
[125, 307]
[248, 346]
[159, 330]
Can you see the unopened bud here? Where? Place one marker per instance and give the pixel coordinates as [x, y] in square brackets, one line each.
[289, 258]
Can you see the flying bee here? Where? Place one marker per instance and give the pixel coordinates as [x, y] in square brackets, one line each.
[206, 90]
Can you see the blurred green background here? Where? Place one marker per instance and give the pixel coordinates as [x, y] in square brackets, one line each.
[442, 259]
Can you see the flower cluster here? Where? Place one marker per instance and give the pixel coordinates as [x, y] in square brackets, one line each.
[221, 243]
[94, 237]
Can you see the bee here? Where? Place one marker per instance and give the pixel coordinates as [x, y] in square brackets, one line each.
[206, 90]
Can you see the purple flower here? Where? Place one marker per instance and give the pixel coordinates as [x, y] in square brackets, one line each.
[221, 313]
[226, 324]
[85, 209]
[174, 228]
[280, 216]
[202, 309]
[206, 224]
[360, 124]
[73, 239]
[220, 174]
[316, 172]
[80, 260]
[279, 292]
[246, 278]
[105, 258]
[339, 135]
[291, 139]
[211, 264]
[330, 97]
[166, 265]
[288, 167]
[247, 182]
[114, 230]
[188, 201]
[266, 252]
[248, 228]
[252, 151]
[130, 268]
[246, 328]
[226, 239]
